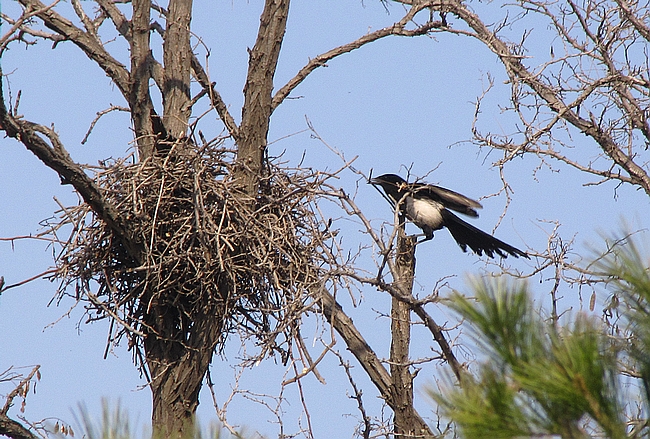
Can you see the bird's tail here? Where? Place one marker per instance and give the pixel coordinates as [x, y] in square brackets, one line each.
[466, 235]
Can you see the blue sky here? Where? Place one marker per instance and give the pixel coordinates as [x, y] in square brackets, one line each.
[398, 103]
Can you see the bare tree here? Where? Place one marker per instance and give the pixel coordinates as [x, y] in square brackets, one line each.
[176, 244]
[191, 238]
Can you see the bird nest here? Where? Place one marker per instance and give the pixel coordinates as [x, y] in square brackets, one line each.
[211, 259]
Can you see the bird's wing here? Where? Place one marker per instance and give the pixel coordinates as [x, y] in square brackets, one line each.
[450, 199]
[466, 235]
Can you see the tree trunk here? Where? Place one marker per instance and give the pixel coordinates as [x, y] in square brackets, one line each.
[175, 391]
[139, 98]
[177, 366]
[175, 386]
[257, 109]
[177, 357]
[405, 422]
[177, 60]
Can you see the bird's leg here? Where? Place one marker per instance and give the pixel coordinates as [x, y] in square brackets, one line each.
[428, 232]
[428, 236]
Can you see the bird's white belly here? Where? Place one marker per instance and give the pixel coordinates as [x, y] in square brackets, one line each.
[424, 212]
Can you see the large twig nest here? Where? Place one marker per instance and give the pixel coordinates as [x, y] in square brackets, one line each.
[210, 258]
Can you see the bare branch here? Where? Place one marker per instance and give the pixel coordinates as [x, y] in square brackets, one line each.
[553, 98]
[91, 47]
[57, 158]
[98, 116]
[217, 102]
[9, 427]
[364, 354]
[634, 18]
[304, 352]
[23, 282]
[405, 418]
[13, 429]
[398, 28]
[120, 22]
[90, 27]
[357, 396]
[19, 23]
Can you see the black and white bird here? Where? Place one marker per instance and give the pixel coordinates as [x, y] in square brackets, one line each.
[429, 207]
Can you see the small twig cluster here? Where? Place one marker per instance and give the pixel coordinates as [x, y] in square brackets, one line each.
[210, 256]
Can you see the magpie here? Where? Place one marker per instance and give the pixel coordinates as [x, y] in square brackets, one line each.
[429, 207]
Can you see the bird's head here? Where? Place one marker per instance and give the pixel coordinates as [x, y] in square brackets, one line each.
[389, 180]
[392, 184]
